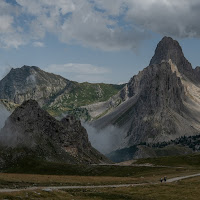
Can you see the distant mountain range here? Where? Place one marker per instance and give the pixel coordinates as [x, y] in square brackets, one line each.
[160, 103]
[54, 93]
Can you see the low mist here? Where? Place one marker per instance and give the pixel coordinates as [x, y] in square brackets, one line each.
[4, 114]
[105, 140]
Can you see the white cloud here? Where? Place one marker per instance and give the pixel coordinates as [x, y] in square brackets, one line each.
[6, 23]
[167, 17]
[79, 72]
[103, 24]
[92, 28]
[77, 68]
[38, 44]
[72, 21]
[111, 7]
[11, 40]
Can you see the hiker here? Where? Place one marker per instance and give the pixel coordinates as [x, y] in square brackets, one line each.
[161, 180]
[165, 178]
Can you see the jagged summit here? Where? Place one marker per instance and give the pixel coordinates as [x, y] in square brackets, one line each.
[29, 67]
[31, 103]
[167, 49]
[32, 128]
[29, 111]
[24, 69]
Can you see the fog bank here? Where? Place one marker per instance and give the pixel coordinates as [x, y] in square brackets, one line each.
[4, 114]
[105, 140]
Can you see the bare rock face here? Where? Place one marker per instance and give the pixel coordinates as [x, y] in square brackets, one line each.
[32, 128]
[168, 49]
[159, 92]
[197, 72]
[162, 102]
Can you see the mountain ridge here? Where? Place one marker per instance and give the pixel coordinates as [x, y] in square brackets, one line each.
[161, 103]
[55, 93]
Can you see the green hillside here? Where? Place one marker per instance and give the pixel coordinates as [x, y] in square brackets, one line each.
[82, 94]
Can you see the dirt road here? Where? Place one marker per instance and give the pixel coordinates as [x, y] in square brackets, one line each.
[93, 186]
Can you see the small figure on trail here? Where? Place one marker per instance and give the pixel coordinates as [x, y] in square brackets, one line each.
[165, 178]
[161, 180]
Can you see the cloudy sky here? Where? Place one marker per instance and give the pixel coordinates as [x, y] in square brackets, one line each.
[94, 40]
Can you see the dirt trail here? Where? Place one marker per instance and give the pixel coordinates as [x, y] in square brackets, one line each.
[181, 177]
[93, 186]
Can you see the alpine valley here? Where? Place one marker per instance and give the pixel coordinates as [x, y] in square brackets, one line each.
[157, 112]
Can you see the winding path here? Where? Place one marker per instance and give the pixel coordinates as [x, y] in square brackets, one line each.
[50, 188]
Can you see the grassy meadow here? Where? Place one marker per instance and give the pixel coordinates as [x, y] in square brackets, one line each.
[58, 174]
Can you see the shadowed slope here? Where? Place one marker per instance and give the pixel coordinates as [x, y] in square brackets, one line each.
[32, 131]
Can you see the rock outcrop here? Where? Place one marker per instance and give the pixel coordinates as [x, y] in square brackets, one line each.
[31, 128]
[168, 49]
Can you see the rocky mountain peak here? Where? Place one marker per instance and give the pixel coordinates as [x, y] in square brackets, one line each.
[160, 101]
[30, 82]
[167, 49]
[170, 50]
[24, 70]
[28, 111]
[27, 121]
[31, 127]
[27, 67]
[30, 104]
